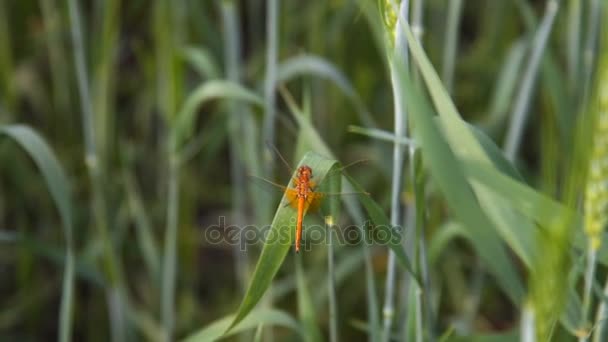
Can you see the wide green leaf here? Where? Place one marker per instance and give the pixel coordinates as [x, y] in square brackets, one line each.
[375, 212]
[279, 239]
[310, 137]
[451, 180]
[515, 229]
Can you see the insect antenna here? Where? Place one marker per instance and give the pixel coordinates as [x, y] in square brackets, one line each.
[276, 151]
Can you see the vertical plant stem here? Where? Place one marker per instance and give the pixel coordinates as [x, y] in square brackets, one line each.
[574, 41]
[237, 175]
[83, 83]
[370, 286]
[272, 32]
[424, 298]
[330, 222]
[417, 19]
[170, 255]
[599, 335]
[417, 28]
[418, 304]
[57, 59]
[331, 288]
[589, 49]
[370, 283]
[7, 86]
[92, 162]
[520, 112]
[587, 290]
[254, 19]
[143, 226]
[232, 53]
[596, 185]
[268, 129]
[527, 325]
[103, 76]
[167, 24]
[452, 30]
[66, 310]
[400, 122]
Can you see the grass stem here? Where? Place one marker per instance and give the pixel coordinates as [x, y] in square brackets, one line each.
[96, 175]
[520, 111]
[589, 50]
[574, 41]
[587, 290]
[272, 29]
[170, 252]
[331, 287]
[528, 333]
[400, 129]
[232, 52]
[601, 317]
[451, 43]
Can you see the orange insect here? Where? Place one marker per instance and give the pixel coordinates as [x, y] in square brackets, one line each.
[302, 196]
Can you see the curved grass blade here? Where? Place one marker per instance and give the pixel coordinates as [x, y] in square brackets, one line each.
[315, 65]
[58, 186]
[217, 329]
[279, 240]
[382, 231]
[444, 235]
[374, 211]
[215, 89]
[202, 61]
[505, 87]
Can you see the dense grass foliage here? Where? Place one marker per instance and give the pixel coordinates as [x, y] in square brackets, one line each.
[459, 149]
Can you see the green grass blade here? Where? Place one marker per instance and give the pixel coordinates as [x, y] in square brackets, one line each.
[539, 207]
[58, 186]
[505, 87]
[375, 212]
[202, 61]
[515, 229]
[279, 241]
[380, 135]
[382, 227]
[145, 236]
[445, 234]
[217, 329]
[520, 111]
[335, 186]
[315, 65]
[518, 233]
[449, 176]
[306, 310]
[507, 336]
[216, 89]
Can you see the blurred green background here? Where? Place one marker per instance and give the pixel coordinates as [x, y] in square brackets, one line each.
[128, 128]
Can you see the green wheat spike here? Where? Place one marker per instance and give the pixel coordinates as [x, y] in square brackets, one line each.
[596, 191]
